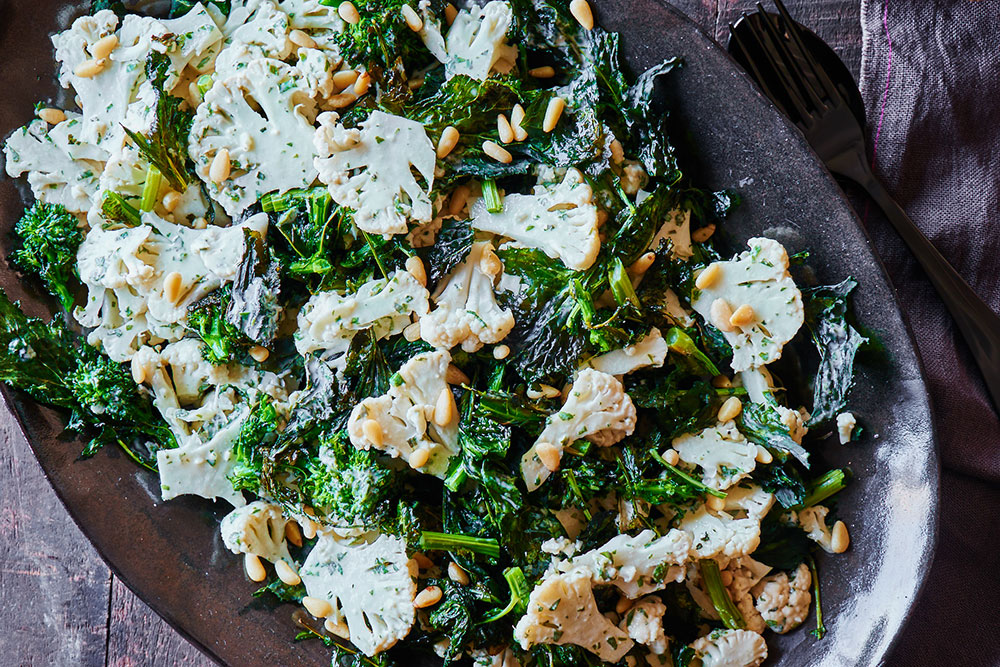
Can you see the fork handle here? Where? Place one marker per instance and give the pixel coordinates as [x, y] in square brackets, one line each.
[980, 326]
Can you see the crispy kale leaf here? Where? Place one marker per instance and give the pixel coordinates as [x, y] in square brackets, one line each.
[253, 307]
[50, 238]
[451, 246]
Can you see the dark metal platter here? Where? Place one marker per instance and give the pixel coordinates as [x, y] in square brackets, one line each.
[170, 554]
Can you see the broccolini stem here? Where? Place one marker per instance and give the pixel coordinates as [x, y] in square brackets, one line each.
[820, 628]
[519, 594]
[571, 480]
[730, 615]
[150, 189]
[621, 285]
[449, 542]
[825, 486]
[378, 261]
[698, 484]
[678, 341]
[494, 204]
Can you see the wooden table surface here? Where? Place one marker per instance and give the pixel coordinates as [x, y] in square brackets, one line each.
[59, 603]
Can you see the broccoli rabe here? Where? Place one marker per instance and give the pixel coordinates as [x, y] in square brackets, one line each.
[50, 237]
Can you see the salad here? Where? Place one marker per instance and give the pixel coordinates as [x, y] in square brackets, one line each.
[425, 294]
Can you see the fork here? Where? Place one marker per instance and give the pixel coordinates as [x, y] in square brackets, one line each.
[792, 77]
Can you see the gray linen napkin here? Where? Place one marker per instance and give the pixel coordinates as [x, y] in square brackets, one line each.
[930, 77]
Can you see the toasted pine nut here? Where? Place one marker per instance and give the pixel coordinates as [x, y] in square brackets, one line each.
[548, 391]
[431, 595]
[221, 166]
[623, 605]
[709, 276]
[412, 332]
[702, 234]
[459, 198]
[317, 607]
[52, 116]
[501, 352]
[720, 313]
[299, 38]
[172, 284]
[516, 118]
[363, 83]
[373, 432]
[727, 578]
[293, 534]
[743, 316]
[138, 370]
[412, 19]
[199, 223]
[641, 265]
[444, 409]
[490, 264]
[450, 13]
[617, 152]
[88, 69]
[454, 375]
[171, 201]
[259, 353]
[581, 11]
[415, 266]
[345, 78]
[553, 112]
[447, 142]
[457, 574]
[309, 528]
[841, 539]
[349, 13]
[504, 129]
[715, 503]
[341, 100]
[419, 457]
[672, 456]
[254, 568]
[340, 629]
[287, 573]
[423, 562]
[730, 409]
[763, 456]
[497, 152]
[103, 47]
[722, 382]
[543, 72]
[549, 455]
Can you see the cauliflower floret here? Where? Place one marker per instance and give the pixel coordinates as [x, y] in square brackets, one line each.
[649, 351]
[371, 170]
[256, 528]
[370, 583]
[644, 624]
[723, 454]
[813, 522]
[846, 422]
[676, 229]
[560, 220]
[759, 278]
[562, 610]
[637, 565]
[330, 320]
[597, 409]
[732, 532]
[759, 384]
[252, 29]
[406, 414]
[319, 20]
[262, 115]
[783, 602]
[60, 169]
[475, 42]
[731, 648]
[467, 310]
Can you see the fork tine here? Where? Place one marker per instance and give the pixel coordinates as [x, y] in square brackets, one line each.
[792, 28]
[794, 68]
[751, 61]
[780, 68]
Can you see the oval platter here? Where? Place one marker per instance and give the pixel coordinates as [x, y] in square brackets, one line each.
[171, 555]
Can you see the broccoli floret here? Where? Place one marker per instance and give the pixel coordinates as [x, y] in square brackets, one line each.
[116, 209]
[50, 238]
[207, 319]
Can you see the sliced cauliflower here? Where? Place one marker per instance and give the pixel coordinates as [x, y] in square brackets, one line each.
[319, 20]
[730, 648]
[597, 409]
[846, 423]
[262, 115]
[649, 351]
[475, 42]
[562, 610]
[813, 522]
[760, 388]
[256, 528]
[784, 601]
[405, 414]
[759, 278]
[676, 229]
[644, 624]
[731, 532]
[330, 320]
[467, 310]
[60, 168]
[637, 565]
[253, 29]
[374, 168]
[723, 454]
[370, 583]
[560, 220]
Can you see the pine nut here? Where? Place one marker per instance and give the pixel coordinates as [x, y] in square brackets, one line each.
[254, 568]
[341, 100]
[702, 234]
[581, 11]
[138, 370]
[345, 78]
[317, 607]
[299, 38]
[459, 198]
[617, 152]
[103, 47]
[727, 578]
[171, 201]
[415, 266]
[501, 352]
[287, 573]
[553, 112]
[672, 456]
[259, 354]
[349, 13]
[412, 332]
[52, 116]
[221, 166]
[720, 313]
[363, 83]
[490, 264]
[340, 629]
[715, 503]
[730, 409]
[504, 129]
[450, 13]
[293, 534]
[412, 19]
[172, 287]
[623, 605]
[455, 375]
[641, 265]
[516, 118]
[722, 382]
[419, 457]
[543, 72]
[708, 277]
[549, 455]
[497, 152]
[423, 562]
[373, 432]
[88, 69]
[457, 574]
[548, 391]
[428, 597]
[743, 316]
[444, 409]
[763, 456]
[309, 528]
[841, 539]
[447, 142]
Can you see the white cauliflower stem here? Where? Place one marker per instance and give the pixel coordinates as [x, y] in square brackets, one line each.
[731, 648]
[784, 601]
[731, 532]
[256, 528]
[649, 351]
[723, 454]
[637, 565]
[475, 42]
[644, 624]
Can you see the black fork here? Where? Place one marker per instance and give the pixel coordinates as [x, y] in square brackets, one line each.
[793, 78]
